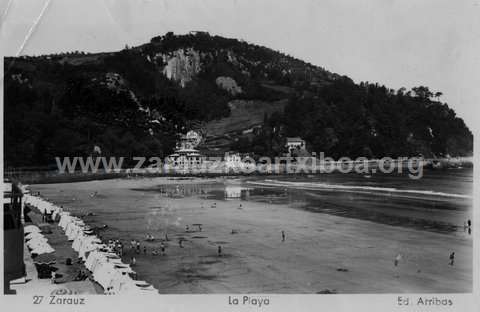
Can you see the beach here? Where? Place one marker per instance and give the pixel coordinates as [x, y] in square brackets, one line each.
[326, 250]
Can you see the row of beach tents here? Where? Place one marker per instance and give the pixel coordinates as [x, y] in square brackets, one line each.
[106, 267]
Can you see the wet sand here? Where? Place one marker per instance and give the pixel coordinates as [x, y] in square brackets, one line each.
[322, 252]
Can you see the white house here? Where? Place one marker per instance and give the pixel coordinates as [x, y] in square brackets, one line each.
[185, 155]
[233, 161]
[295, 143]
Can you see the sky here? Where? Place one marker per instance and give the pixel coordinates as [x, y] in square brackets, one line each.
[398, 43]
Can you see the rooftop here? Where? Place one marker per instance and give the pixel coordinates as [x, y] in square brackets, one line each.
[295, 139]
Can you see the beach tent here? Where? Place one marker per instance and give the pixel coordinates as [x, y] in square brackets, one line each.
[64, 219]
[35, 241]
[74, 228]
[90, 243]
[33, 235]
[38, 244]
[104, 273]
[43, 249]
[31, 229]
[86, 243]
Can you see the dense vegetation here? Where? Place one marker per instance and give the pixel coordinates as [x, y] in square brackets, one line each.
[346, 119]
[65, 104]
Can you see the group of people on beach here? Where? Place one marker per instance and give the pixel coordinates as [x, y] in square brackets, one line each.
[116, 246]
[137, 248]
[162, 250]
[451, 258]
[467, 226]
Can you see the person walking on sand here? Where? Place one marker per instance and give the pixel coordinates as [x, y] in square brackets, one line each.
[452, 258]
[138, 247]
[219, 251]
[144, 250]
[119, 249]
[397, 259]
[162, 248]
[133, 261]
[283, 236]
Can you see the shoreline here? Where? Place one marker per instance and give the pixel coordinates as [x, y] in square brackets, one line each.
[317, 244]
[53, 177]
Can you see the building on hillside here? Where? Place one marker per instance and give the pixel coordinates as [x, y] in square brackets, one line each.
[233, 162]
[295, 143]
[186, 157]
[199, 32]
[189, 140]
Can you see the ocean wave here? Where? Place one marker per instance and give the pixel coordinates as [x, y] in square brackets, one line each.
[355, 188]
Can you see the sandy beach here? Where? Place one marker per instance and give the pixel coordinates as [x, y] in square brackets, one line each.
[321, 253]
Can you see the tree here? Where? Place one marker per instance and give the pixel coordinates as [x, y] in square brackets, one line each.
[422, 92]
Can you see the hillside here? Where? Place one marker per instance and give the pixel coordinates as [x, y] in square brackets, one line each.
[240, 96]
